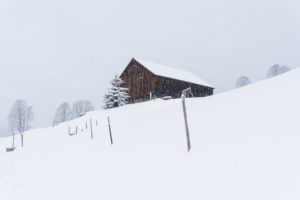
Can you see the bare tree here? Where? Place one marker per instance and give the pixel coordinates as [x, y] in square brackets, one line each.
[20, 117]
[82, 107]
[63, 113]
[276, 70]
[88, 106]
[242, 81]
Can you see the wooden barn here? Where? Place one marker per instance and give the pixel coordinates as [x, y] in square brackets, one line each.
[146, 80]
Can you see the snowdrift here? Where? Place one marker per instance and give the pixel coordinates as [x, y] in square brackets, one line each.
[245, 145]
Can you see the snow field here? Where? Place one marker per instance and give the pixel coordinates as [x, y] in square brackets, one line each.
[245, 145]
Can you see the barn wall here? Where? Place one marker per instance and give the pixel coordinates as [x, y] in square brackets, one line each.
[171, 87]
[139, 81]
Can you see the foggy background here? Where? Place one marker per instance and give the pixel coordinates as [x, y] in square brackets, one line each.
[66, 50]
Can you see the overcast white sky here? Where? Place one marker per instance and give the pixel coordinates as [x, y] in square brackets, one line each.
[64, 50]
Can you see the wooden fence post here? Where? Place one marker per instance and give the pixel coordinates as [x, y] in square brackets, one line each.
[110, 134]
[22, 139]
[186, 123]
[13, 143]
[91, 124]
[71, 134]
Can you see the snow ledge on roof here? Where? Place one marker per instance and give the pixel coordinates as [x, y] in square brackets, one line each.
[173, 73]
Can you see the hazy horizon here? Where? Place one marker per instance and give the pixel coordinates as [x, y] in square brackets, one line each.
[63, 50]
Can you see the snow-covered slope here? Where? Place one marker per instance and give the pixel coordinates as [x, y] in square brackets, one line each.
[245, 145]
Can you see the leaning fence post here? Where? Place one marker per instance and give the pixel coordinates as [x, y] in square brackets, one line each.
[186, 123]
[110, 134]
[92, 136]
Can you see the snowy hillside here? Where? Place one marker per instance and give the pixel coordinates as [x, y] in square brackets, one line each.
[245, 146]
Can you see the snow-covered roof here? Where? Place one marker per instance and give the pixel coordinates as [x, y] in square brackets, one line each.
[173, 73]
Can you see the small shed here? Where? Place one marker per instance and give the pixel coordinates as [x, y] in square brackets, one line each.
[146, 80]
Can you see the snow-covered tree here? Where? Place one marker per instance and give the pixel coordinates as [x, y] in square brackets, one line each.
[276, 70]
[242, 81]
[63, 113]
[81, 107]
[116, 95]
[20, 117]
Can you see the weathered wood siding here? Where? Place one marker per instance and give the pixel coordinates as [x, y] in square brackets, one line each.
[171, 87]
[141, 82]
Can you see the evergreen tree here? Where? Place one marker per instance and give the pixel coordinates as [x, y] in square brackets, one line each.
[116, 95]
